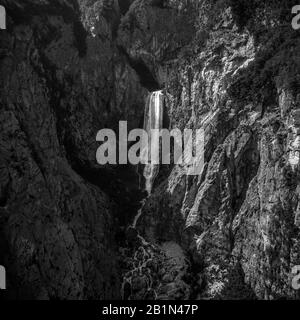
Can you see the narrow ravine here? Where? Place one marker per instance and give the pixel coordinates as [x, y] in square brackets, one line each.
[152, 271]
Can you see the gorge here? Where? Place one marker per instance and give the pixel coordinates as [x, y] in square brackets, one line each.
[73, 228]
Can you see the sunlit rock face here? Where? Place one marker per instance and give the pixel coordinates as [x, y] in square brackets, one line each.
[239, 220]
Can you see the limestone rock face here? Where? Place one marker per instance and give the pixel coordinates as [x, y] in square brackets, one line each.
[239, 220]
[152, 34]
[69, 68]
[62, 80]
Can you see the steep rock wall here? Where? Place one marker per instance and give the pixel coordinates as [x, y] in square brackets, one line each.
[69, 68]
[234, 72]
[62, 80]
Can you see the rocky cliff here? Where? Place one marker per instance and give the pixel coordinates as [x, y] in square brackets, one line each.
[62, 80]
[229, 67]
[70, 68]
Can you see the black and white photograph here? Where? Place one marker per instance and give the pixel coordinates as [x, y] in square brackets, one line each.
[149, 151]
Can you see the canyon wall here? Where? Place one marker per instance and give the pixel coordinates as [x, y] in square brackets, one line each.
[72, 67]
[62, 80]
[229, 67]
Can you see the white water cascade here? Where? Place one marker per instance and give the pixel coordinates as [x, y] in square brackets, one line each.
[153, 119]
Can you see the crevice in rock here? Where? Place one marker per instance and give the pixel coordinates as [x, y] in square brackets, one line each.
[247, 170]
[147, 79]
[124, 5]
[242, 175]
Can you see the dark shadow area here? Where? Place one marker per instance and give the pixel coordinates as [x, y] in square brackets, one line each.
[158, 3]
[120, 182]
[124, 5]
[71, 15]
[146, 77]
[236, 288]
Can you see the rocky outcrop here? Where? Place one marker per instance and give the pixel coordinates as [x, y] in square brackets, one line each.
[154, 272]
[62, 80]
[233, 72]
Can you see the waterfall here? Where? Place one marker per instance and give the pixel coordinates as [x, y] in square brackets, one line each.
[153, 119]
